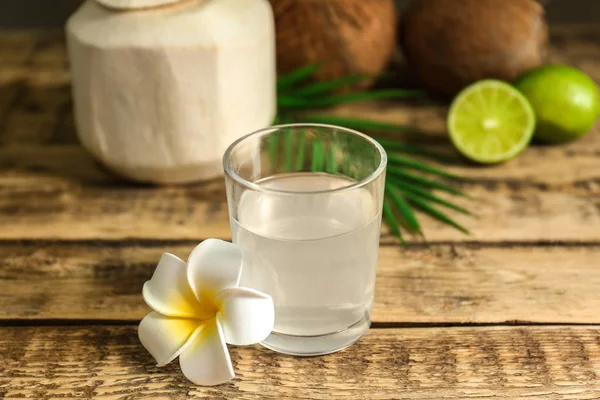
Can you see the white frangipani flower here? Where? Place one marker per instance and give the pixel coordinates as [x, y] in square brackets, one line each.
[198, 308]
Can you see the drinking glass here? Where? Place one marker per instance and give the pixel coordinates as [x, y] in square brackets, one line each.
[305, 203]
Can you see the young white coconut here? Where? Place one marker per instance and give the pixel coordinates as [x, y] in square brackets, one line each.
[162, 87]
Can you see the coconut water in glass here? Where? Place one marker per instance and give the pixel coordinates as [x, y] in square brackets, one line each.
[305, 207]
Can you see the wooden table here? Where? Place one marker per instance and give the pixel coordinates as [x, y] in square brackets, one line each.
[510, 312]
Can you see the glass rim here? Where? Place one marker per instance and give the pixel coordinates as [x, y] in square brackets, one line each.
[256, 187]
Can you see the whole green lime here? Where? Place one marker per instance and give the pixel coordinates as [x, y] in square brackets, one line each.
[565, 100]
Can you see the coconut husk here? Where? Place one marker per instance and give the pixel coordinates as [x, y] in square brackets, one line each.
[345, 36]
[451, 44]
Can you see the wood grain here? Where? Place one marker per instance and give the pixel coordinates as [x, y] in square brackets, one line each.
[541, 202]
[448, 284]
[77, 243]
[37, 111]
[442, 363]
[60, 192]
[51, 188]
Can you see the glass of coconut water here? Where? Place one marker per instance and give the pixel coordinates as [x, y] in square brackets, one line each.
[305, 204]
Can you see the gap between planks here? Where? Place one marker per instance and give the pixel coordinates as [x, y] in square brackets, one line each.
[443, 363]
[56, 322]
[387, 240]
[443, 284]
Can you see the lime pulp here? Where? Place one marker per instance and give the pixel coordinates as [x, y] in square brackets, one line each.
[490, 122]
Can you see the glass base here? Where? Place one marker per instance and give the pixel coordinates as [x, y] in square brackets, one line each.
[319, 344]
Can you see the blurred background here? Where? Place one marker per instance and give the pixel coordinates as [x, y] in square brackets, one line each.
[18, 14]
[35, 91]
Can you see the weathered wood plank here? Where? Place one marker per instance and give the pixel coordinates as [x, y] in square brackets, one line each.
[24, 51]
[547, 194]
[64, 194]
[539, 165]
[36, 64]
[447, 284]
[35, 111]
[495, 362]
[49, 207]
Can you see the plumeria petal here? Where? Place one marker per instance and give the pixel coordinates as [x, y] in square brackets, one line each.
[205, 361]
[247, 315]
[165, 337]
[169, 293]
[214, 265]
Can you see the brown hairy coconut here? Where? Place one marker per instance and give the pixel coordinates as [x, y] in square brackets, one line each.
[450, 44]
[345, 36]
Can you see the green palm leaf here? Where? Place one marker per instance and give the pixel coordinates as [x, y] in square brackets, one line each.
[287, 101]
[418, 165]
[331, 160]
[410, 190]
[300, 152]
[403, 208]
[437, 214]
[287, 80]
[395, 145]
[318, 156]
[404, 191]
[358, 124]
[414, 179]
[320, 88]
[346, 167]
[388, 214]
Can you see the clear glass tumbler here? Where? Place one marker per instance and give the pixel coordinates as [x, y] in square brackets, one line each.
[305, 204]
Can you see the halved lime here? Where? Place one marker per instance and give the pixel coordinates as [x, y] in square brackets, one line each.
[491, 121]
